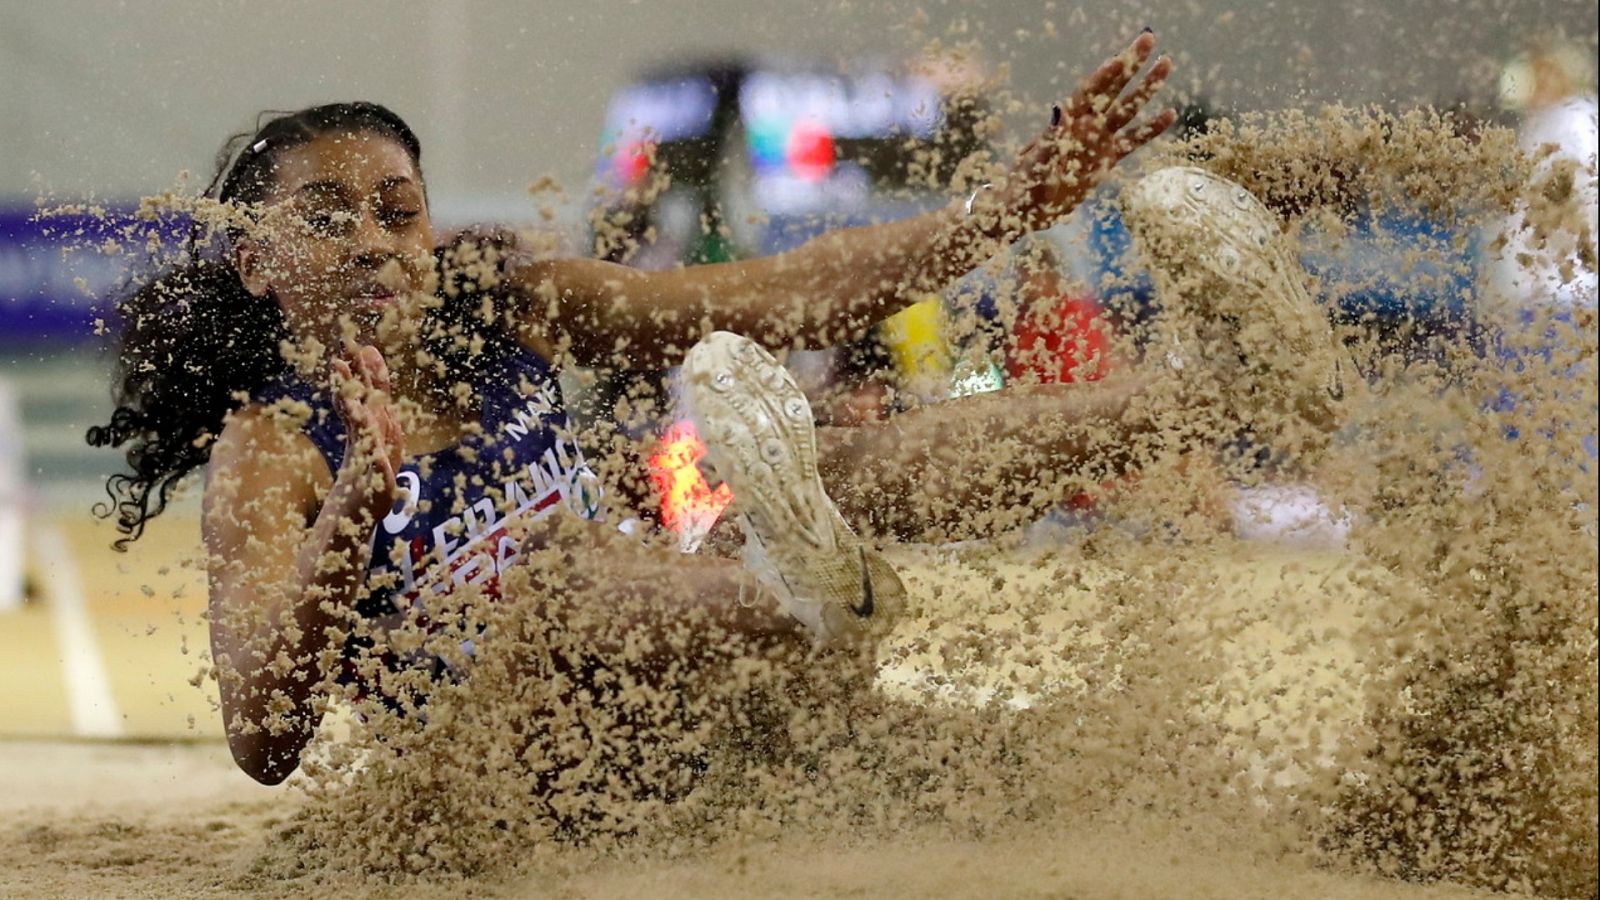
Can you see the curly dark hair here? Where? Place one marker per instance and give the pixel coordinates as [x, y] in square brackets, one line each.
[195, 344]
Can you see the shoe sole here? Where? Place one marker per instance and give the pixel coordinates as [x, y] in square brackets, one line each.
[1218, 256]
[760, 438]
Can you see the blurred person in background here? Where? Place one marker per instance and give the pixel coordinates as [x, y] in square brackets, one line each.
[1551, 90]
[1061, 334]
[1548, 262]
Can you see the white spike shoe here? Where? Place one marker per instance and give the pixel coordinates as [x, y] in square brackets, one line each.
[1220, 261]
[760, 438]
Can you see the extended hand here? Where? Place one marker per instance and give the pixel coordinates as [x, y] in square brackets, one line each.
[1090, 134]
[375, 440]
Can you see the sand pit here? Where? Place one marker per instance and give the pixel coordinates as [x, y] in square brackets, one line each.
[132, 840]
[126, 819]
[174, 820]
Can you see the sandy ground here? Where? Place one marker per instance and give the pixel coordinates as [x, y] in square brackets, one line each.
[176, 819]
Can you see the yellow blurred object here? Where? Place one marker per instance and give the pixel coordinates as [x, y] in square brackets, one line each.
[915, 338]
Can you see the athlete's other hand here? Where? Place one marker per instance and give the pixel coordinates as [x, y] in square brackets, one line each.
[374, 440]
[1088, 135]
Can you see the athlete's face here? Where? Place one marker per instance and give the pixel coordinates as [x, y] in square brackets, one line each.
[345, 238]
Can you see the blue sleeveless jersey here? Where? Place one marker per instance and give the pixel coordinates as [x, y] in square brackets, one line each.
[449, 525]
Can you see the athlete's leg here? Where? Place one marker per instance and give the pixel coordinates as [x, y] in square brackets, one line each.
[985, 463]
[591, 580]
[641, 666]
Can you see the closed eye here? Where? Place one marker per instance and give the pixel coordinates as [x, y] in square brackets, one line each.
[330, 221]
[399, 217]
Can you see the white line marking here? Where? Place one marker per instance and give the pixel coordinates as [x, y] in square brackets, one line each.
[11, 499]
[94, 709]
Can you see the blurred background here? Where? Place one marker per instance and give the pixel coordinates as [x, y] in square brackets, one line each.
[774, 120]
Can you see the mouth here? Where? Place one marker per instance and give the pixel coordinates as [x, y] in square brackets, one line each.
[382, 287]
[374, 295]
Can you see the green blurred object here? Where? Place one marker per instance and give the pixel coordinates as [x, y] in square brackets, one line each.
[970, 377]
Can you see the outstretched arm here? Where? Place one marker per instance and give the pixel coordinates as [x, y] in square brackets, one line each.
[837, 286]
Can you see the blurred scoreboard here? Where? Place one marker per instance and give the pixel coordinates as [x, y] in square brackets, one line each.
[817, 140]
[758, 158]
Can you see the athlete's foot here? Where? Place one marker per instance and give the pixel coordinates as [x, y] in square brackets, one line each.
[1223, 266]
[761, 440]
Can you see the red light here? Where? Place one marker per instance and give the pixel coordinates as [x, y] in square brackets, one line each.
[632, 161]
[810, 151]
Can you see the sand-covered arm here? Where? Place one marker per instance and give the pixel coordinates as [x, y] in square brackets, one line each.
[288, 549]
[830, 290]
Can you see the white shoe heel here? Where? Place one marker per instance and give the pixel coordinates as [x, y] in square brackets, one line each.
[760, 438]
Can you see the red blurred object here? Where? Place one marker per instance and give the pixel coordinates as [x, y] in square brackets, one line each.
[632, 161]
[1066, 343]
[689, 505]
[810, 151]
[1062, 344]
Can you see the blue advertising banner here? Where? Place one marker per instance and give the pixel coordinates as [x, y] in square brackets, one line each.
[59, 269]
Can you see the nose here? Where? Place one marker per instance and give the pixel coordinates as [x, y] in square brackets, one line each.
[372, 245]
